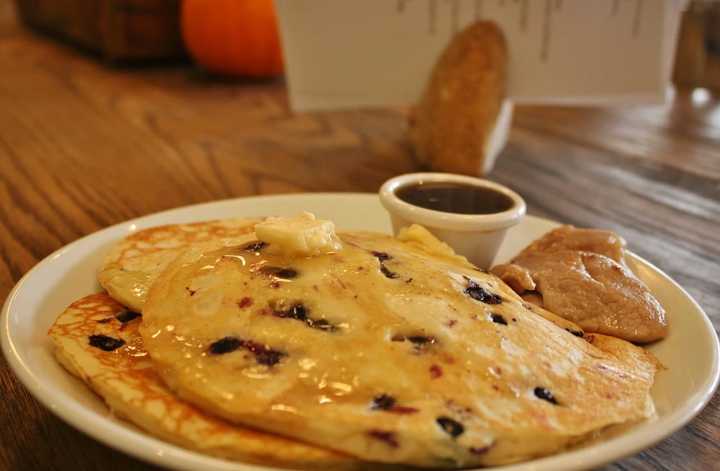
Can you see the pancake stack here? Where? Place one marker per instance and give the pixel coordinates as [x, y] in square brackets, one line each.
[280, 342]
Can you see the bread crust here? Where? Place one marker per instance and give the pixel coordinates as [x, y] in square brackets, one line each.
[458, 111]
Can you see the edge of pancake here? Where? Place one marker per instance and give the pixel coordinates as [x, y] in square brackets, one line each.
[133, 263]
[124, 379]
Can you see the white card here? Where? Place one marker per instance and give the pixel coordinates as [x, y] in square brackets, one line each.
[349, 53]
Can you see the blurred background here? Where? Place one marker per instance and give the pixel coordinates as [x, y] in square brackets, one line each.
[697, 60]
[239, 38]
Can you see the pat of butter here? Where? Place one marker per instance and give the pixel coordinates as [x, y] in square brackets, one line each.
[299, 235]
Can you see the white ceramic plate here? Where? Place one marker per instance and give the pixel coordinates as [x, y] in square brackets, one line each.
[690, 352]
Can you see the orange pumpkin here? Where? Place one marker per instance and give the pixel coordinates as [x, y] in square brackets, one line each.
[233, 37]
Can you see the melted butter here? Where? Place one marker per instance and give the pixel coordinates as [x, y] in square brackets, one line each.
[341, 389]
[307, 363]
[135, 348]
[322, 384]
[284, 408]
[256, 266]
[239, 258]
[302, 235]
[256, 372]
[139, 290]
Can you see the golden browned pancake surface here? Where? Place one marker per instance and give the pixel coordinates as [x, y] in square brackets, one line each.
[97, 340]
[132, 265]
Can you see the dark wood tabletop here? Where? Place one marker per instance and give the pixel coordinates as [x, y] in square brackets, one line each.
[84, 145]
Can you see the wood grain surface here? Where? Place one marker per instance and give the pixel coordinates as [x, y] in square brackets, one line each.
[84, 146]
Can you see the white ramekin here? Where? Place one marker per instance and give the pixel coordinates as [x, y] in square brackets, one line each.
[476, 236]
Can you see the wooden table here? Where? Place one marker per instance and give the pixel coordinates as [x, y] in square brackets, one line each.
[84, 146]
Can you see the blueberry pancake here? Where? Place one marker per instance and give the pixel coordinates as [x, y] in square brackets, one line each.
[133, 264]
[385, 348]
[97, 340]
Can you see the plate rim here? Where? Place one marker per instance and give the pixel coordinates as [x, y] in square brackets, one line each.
[168, 454]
